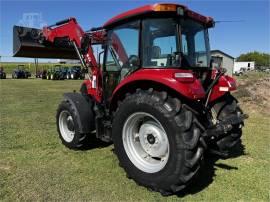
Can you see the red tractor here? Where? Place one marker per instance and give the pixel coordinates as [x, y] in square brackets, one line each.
[151, 91]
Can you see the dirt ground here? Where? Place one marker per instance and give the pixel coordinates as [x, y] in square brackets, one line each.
[254, 93]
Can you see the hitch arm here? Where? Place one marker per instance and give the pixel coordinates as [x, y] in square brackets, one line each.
[221, 129]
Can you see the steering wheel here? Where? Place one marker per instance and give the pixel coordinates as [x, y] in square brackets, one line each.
[133, 61]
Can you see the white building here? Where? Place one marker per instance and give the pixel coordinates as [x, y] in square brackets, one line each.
[224, 60]
[243, 66]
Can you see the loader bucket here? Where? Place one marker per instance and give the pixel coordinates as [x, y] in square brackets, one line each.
[27, 42]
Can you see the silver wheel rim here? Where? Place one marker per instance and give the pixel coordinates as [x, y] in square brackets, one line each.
[72, 76]
[145, 142]
[66, 126]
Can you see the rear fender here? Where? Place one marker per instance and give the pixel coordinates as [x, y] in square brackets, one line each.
[224, 85]
[83, 108]
[192, 89]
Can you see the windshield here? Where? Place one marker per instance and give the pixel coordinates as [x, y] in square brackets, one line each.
[174, 43]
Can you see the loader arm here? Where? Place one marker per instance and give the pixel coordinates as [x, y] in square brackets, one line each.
[64, 39]
[70, 30]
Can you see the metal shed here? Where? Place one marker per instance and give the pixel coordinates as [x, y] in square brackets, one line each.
[221, 59]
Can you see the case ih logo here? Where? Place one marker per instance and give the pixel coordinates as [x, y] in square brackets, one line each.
[33, 20]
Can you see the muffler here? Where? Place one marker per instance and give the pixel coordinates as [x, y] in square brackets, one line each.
[29, 42]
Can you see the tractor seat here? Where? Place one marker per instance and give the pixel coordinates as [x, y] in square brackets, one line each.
[155, 52]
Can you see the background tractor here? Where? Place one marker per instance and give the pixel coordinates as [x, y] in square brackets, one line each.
[75, 72]
[44, 74]
[2, 73]
[62, 74]
[151, 91]
[21, 73]
[57, 73]
[48, 73]
[41, 74]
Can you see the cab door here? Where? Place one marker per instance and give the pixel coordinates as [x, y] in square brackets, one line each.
[121, 55]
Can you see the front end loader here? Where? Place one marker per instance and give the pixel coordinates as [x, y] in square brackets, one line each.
[151, 91]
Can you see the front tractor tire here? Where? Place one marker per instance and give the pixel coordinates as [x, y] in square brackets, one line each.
[68, 128]
[156, 140]
[225, 107]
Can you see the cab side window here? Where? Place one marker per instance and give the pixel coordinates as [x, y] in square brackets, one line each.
[122, 54]
[123, 48]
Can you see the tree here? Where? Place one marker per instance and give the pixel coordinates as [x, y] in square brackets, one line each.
[261, 59]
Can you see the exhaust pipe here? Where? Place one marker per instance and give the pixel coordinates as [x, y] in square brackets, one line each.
[29, 42]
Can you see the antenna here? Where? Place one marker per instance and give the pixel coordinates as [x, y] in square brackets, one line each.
[219, 21]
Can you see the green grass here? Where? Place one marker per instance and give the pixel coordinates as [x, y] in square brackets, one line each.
[35, 166]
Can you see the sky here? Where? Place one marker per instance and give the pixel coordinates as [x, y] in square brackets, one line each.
[250, 32]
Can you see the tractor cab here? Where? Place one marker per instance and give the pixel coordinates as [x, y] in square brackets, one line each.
[160, 36]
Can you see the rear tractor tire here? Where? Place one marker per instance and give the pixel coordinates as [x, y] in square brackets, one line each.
[156, 140]
[68, 128]
[224, 108]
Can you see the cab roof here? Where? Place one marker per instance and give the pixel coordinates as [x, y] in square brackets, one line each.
[159, 8]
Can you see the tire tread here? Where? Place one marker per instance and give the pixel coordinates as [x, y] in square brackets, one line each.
[187, 139]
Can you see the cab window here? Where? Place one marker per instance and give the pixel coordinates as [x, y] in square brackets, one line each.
[123, 48]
